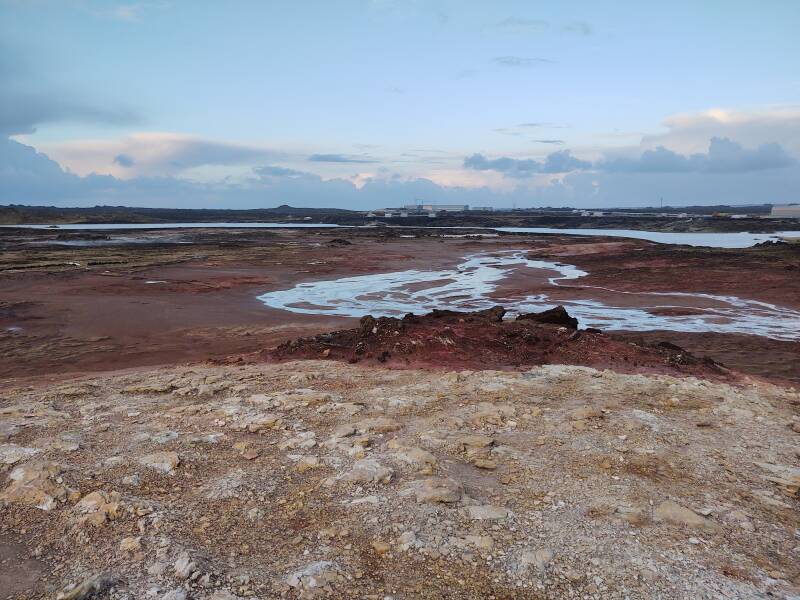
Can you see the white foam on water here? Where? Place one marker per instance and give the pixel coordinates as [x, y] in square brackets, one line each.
[472, 284]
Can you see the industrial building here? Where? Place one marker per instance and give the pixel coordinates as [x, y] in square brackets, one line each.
[420, 208]
[425, 210]
[787, 211]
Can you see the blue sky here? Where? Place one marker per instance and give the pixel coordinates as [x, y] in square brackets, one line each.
[377, 102]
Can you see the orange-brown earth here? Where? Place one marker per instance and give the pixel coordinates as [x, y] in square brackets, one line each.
[73, 309]
[770, 273]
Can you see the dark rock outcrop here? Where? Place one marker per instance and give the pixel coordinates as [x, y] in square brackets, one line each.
[554, 316]
[483, 340]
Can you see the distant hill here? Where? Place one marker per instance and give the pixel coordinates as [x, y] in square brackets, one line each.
[649, 219]
[31, 215]
[744, 209]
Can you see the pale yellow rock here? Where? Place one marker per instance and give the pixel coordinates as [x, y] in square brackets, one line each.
[787, 477]
[307, 463]
[474, 441]
[264, 423]
[416, 457]
[251, 454]
[344, 430]
[11, 453]
[99, 507]
[302, 441]
[492, 414]
[633, 515]
[368, 471]
[35, 484]
[377, 425]
[381, 548]
[487, 512]
[147, 387]
[130, 544]
[483, 463]
[672, 512]
[533, 559]
[161, 461]
[584, 413]
[436, 489]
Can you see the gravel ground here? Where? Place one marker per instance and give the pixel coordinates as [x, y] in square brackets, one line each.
[321, 479]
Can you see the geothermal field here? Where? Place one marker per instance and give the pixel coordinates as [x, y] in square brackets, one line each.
[399, 300]
[398, 412]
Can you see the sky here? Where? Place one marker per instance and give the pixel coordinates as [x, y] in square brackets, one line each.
[379, 103]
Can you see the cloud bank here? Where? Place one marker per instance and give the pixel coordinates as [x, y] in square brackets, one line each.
[557, 162]
[723, 156]
[689, 133]
[155, 154]
[30, 177]
[340, 158]
[717, 156]
[561, 179]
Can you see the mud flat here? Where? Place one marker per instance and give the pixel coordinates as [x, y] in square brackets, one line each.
[164, 297]
[477, 281]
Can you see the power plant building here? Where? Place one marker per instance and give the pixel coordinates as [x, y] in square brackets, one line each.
[787, 211]
[436, 207]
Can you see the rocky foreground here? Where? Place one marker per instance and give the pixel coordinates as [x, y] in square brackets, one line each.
[322, 479]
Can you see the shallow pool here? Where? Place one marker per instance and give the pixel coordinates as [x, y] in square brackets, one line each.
[474, 283]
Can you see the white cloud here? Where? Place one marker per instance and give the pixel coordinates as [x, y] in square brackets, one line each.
[153, 154]
[689, 133]
[30, 178]
[471, 179]
[555, 162]
[723, 156]
[693, 162]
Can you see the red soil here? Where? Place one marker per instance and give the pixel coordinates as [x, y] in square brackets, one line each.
[483, 340]
[768, 273]
[57, 319]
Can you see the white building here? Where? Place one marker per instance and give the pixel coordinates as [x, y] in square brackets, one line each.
[787, 211]
[448, 207]
[420, 208]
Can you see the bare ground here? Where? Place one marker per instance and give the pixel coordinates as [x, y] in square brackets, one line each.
[318, 478]
[75, 309]
[667, 478]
